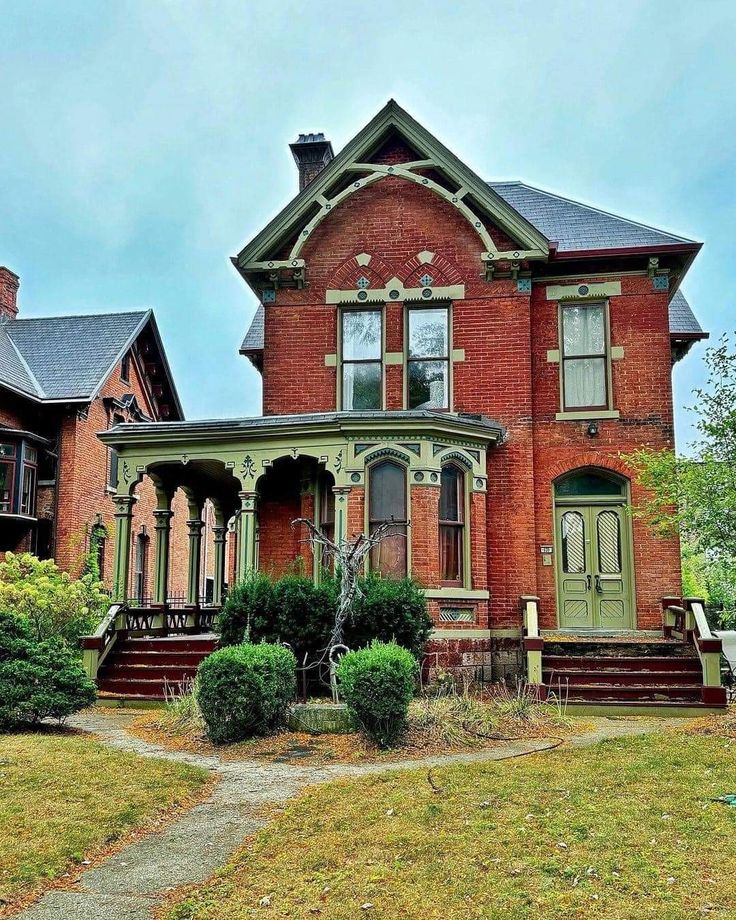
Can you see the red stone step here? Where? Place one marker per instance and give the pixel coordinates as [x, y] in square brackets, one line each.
[171, 644]
[163, 671]
[147, 689]
[563, 676]
[578, 662]
[625, 694]
[182, 659]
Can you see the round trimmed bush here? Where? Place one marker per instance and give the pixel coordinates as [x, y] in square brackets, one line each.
[378, 684]
[245, 690]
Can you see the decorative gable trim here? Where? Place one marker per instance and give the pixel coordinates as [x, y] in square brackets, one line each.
[298, 220]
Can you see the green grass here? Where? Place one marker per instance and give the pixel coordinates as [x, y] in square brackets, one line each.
[621, 830]
[64, 798]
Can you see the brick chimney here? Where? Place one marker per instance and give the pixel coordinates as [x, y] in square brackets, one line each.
[311, 153]
[9, 284]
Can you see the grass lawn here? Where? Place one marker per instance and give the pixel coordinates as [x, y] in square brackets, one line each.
[65, 798]
[625, 829]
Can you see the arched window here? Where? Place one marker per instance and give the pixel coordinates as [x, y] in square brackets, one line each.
[141, 564]
[452, 524]
[589, 482]
[387, 503]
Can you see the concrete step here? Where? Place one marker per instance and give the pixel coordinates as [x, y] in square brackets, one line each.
[617, 648]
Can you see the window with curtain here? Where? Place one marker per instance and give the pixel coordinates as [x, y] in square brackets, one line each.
[428, 359]
[452, 524]
[361, 359]
[387, 504]
[584, 356]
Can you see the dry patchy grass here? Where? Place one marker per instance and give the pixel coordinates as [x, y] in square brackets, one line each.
[624, 829]
[65, 799]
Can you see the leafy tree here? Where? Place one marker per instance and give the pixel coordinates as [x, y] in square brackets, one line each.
[51, 601]
[697, 494]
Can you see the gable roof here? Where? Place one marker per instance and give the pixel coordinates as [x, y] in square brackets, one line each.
[68, 358]
[574, 226]
[392, 120]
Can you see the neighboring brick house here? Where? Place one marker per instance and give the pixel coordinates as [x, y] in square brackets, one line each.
[62, 380]
[469, 360]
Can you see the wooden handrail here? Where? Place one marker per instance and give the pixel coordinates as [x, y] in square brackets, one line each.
[533, 642]
[96, 646]
[689, 624]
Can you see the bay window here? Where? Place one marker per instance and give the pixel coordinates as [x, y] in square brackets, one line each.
[387, 503]
[584, 356]
[28, 482]
[361, 338]
[428, 358]
[7, 476]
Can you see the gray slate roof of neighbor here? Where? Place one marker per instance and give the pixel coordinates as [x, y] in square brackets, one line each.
[66, 357]
[575, 226]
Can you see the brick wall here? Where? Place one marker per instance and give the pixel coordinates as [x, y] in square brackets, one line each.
[505, 375]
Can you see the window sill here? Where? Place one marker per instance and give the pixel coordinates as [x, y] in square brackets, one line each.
[587, 415]
[458, 594]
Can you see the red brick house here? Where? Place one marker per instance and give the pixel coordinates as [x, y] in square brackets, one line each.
[466, 359]
[62, 379]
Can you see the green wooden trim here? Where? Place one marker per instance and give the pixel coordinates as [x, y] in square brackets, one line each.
[393, 357]
[367, 296]
[457, 354]
[553, 356]
[587, 415]
[392, 116]
[469, 633]
[331, 360]
[589, 290]
[617, 352]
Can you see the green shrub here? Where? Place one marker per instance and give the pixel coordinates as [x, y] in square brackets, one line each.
[388, 609]
[378, 683]
[245, 690]
[53, 603]
[39, 679]
[294, 610]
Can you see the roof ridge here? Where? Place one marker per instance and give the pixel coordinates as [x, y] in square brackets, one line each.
[142, 312]
[597, 210]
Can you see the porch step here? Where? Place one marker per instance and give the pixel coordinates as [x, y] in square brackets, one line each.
[563, 663]
[608, 677]
[599, 647]
[140, 668]
[631, 693]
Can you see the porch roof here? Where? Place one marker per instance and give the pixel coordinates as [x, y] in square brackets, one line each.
[263, 427]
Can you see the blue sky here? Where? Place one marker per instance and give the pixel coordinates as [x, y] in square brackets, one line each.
[144, 142]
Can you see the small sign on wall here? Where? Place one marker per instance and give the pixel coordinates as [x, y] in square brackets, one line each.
[546, 550]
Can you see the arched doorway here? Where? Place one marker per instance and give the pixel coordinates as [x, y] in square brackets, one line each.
[593, 549]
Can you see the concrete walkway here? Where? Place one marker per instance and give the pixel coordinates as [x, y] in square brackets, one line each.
[131, 884]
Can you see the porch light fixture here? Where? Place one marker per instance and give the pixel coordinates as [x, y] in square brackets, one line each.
[592, 430]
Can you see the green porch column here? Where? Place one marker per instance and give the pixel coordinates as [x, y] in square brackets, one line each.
[195, 524]
[123, 523]
[247, 561]
[220, 536]
[162, 553]
[341, 513]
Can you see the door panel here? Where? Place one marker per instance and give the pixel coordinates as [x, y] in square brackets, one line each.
[574, 571]
[593, 569]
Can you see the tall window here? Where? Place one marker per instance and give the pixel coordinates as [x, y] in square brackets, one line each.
[7, 475]
[584, 356]
[361, 359]
[141, 564]
[428, 358]
[28, 485]
[387, 503]
[452, 524]
[125, 368]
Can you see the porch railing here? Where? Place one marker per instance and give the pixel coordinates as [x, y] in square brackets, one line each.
[95, 648]
[533, 642]
[686, 622]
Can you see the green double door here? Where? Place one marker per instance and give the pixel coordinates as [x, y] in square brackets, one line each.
[594, 569]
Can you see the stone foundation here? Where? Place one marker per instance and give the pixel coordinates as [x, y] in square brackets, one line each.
[473, 659]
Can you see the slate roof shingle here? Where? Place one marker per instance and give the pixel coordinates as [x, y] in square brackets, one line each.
[575, 226]
[253, 340]
[67, 356]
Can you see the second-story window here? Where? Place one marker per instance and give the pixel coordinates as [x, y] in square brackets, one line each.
[7, 476]
[28, 485]
[428, 358]
[584, 356]
[361, 339]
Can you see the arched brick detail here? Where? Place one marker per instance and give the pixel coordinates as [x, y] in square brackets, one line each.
[443, 271]
[586, 461]
[345, 278]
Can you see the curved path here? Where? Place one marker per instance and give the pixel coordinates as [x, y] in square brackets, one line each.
[131, 884]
